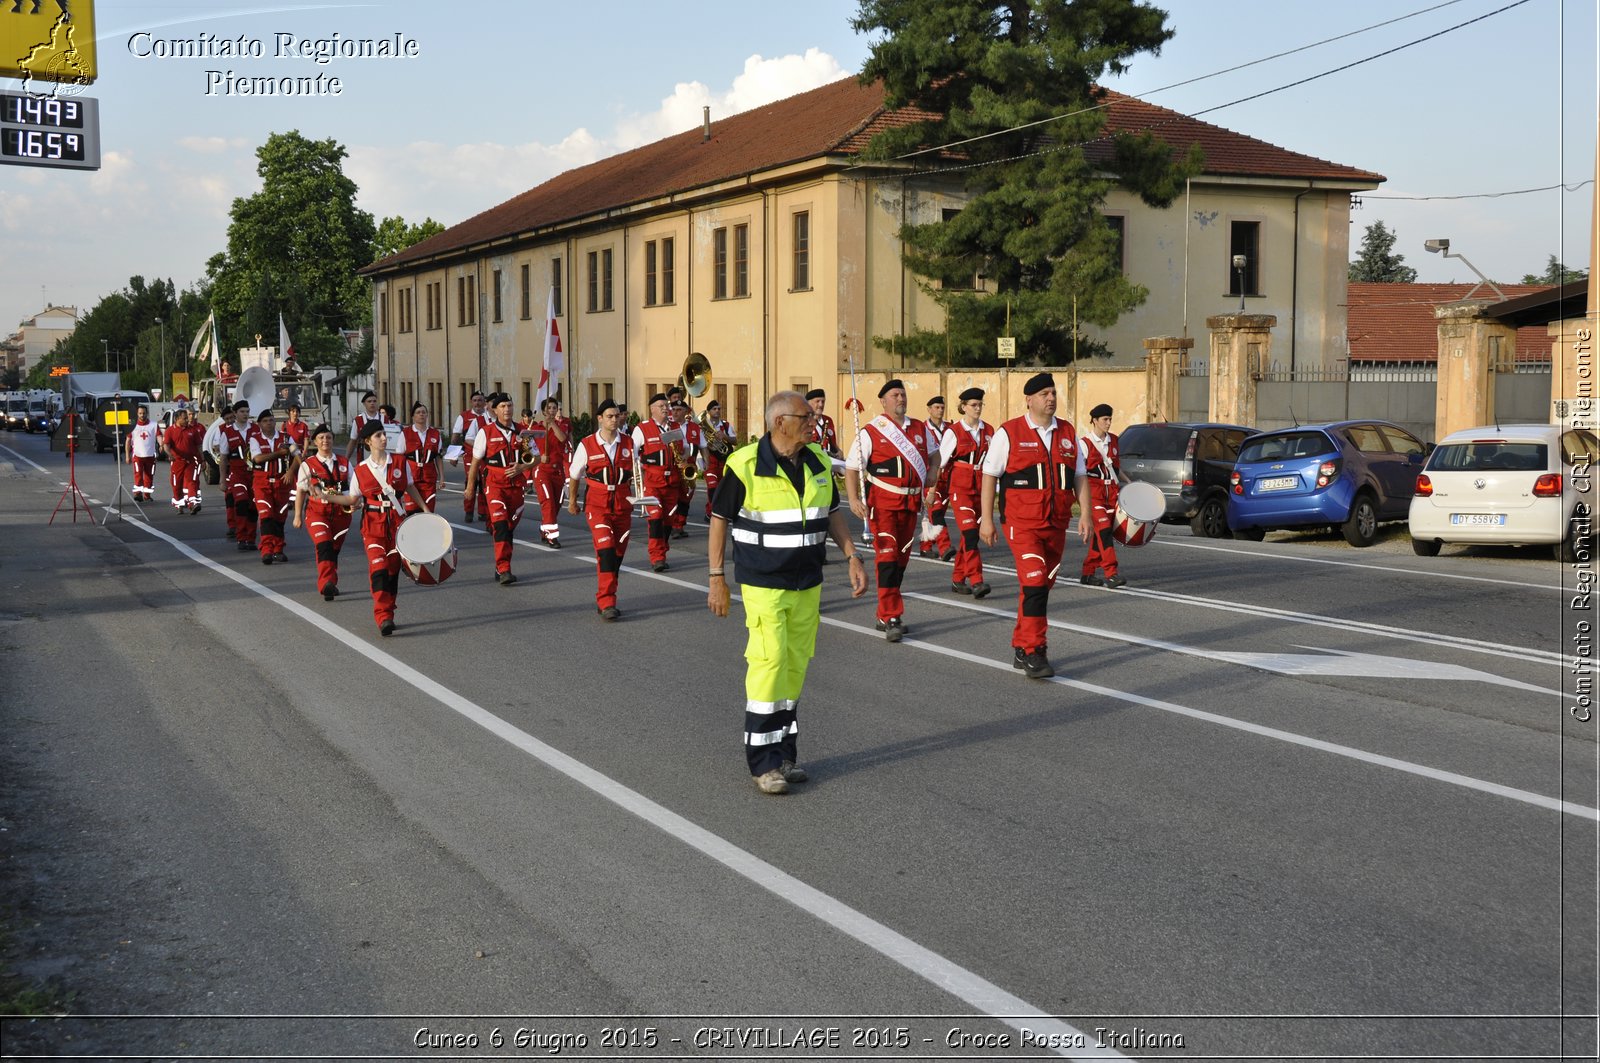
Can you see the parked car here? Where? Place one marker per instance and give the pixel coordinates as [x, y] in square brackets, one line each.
[1191, 464]
[1517, 484]
[1352, 475]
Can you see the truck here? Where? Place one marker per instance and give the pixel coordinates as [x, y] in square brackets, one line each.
[290, 386]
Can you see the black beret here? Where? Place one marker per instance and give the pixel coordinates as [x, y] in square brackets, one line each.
[1037, 383]
[371, 428]
[320, 429]
[605, 404]
[890, 385]
[369, 395]
[240, 405]
[939, 399]
[972, 393]
[498, 397]
[816, 393]
[657, 397]
[415, 406]
[1102, 410]
[264, 414]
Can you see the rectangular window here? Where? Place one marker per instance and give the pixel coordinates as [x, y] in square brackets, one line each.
[436, 401]
[466, 300]
[594, 396]
[405, 310]
[433, 293]
[383, 313]
[594, 281]
[741, 410]
[741, 260]
[666, 269]
[497, 295]
[466, 398]
[527, 395]
[527, 293]
[1118, 224]
[555, 283]
[802, 251]
[650, 273]
[1244, 238]
[461, 300]
[605, 279]
[719, 263]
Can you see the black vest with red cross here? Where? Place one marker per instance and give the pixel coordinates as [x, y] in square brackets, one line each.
[1039, 483]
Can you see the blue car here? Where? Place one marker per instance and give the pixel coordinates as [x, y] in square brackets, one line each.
[1351, 475]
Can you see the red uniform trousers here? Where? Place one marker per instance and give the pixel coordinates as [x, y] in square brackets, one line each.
[1037, 552]
[144, 474]
[1102, 545]
[242, 515]
[969, 562]
[478, 501]
[714, 467]
[893, 532]
[658, 518]
[427, 478]
[185, 481]
[680, 515]
[327, 526]
[271, 497]
[610, 523]
[549, 477]
[940, 544]
[506, 494]
[378, 528]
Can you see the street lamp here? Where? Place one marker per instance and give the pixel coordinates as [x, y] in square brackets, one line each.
[1442, 247]
[1239, 263]
[105, 356]
[163, 380]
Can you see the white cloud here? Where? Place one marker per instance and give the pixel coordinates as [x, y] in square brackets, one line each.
[762, 81]
[212, 145]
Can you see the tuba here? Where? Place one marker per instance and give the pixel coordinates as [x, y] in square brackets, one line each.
[695, 379]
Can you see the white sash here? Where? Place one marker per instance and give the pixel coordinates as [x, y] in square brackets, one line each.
[893, 433]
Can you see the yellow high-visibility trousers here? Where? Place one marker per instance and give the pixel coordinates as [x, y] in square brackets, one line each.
[782, 628]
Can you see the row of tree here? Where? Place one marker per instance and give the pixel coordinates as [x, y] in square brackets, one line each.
[293, 249]
[1377, 261]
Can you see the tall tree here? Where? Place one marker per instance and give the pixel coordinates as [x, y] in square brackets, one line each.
[395, 235]
[294, 248]
[1377, 260]
[1022, 76]
[1555, 273]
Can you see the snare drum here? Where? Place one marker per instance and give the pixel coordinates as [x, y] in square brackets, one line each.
[426, 545]
[1139, 510]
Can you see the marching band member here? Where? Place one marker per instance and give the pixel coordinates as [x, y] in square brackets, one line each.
[661, 479]
[273, 461]
[714, 464]
[297, 430]
[552, 434]
[823, 432]
[1036, 457]
[604, 461]
[778, 496]
[143, 442]
[183, 441]
[1098, 460]
[368, 414]
[464, 433]
[962, 453]
[327, 524]
[376, 485]
[239, 476]
[890, 451]
[424, 446]
[939, 497]
[692, 452]
[496, 458]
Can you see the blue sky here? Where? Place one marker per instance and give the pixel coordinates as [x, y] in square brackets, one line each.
[503, 95]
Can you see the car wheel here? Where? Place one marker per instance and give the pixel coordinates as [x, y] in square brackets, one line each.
[1212, 519]
[1250, 535]
[1361, 529]
[1426, 547]
[1574, 548]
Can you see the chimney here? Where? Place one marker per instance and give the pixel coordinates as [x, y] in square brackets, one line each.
[706, 131]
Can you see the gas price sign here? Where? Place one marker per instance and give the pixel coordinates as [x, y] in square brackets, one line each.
[49, 131]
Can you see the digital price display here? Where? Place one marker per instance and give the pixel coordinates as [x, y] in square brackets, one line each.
[58, 131]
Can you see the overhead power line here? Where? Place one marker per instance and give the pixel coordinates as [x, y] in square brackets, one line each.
[1490, 195]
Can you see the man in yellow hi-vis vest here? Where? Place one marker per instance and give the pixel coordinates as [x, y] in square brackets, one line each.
[777, 496]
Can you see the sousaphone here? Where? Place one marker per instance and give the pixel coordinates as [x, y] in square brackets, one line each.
[256, 387]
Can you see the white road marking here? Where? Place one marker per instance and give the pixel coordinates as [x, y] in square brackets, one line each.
[1319, 661]
[983, 995]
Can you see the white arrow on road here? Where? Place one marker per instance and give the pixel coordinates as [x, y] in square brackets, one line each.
[1318, 662]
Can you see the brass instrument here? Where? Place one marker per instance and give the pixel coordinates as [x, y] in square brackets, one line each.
[695, 379]
[716, 442]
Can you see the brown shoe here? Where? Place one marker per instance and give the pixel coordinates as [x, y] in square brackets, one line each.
[772, 782]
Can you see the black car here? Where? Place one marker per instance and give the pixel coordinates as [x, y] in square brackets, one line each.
[1191, 464]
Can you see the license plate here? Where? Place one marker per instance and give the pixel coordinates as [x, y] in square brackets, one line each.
[1278, 483]
[1478, 518]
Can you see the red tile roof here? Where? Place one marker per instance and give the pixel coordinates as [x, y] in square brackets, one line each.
[835, 120]
[1395, 322]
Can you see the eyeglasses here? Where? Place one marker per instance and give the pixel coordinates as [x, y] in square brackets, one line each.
[808, 416]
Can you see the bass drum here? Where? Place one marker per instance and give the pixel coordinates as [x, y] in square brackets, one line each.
[1139, 510]
[426, 545]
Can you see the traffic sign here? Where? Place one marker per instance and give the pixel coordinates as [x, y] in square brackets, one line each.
[1008, 346]
[49, 42]
[60, 370]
